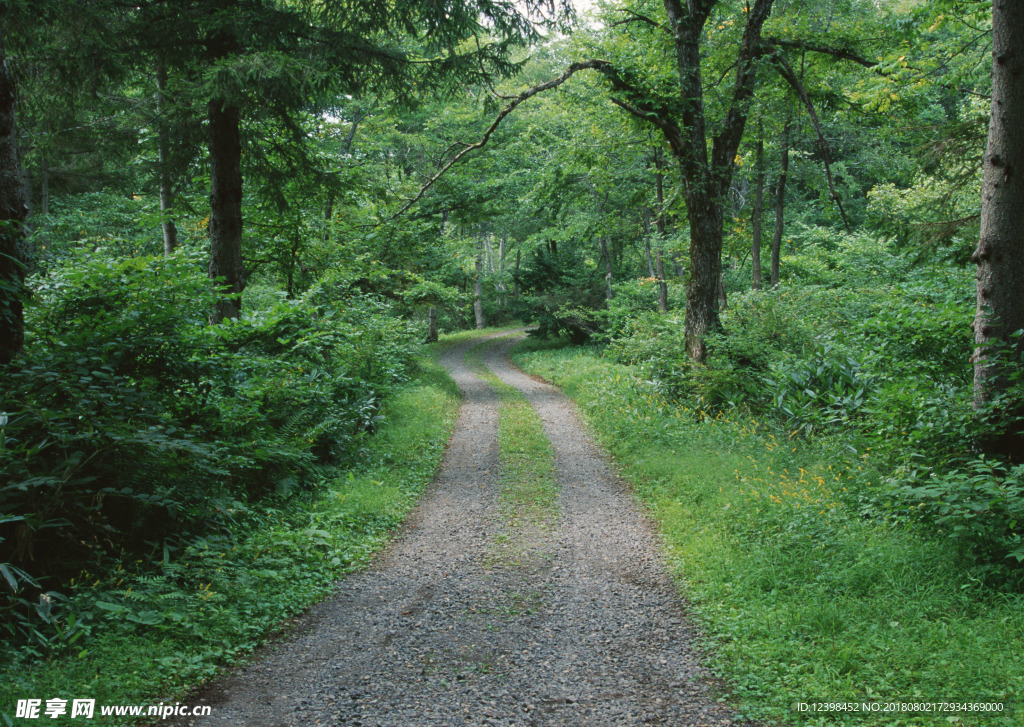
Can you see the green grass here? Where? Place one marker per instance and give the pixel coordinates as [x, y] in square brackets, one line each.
[528, 489]
[451, 339]
[150, 637]
[801, 599]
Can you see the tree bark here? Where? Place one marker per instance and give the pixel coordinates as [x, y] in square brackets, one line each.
[609, 293]
[705, 182]
[478, 287]
[226, 209]
[515, 279]
[167, 226]
[225, 145]
[13, 211]
[432, 324]
[659, 222]
[780, 206]
[1000, 252]
[500, 285]
[705, 271]
[662, 285]
[755, 246]
[488, 254]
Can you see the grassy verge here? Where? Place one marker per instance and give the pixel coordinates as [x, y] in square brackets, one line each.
[143, 638]
[801, 598]
[451, 339]
[528, 490]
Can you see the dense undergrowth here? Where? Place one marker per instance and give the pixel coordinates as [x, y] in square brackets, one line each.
[158, 627]
[132, 427]
[171, 491]
[866, 349]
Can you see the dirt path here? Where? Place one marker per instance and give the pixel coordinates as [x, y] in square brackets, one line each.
[437, 633]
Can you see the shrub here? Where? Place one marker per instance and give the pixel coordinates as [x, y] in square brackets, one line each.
[818, 390]
[562, 293]
[759, 329]
[979, 505]
[130, 421]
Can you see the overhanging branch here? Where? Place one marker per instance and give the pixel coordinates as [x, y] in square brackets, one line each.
[528, 93]
[658, 117]
[844, 53]
[637, 17]
[786, 71]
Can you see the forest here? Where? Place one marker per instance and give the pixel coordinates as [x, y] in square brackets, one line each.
[773, 250]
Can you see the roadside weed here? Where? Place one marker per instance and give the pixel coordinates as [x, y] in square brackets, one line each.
[803, 593]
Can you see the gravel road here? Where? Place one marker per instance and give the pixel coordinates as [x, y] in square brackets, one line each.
[438, 633]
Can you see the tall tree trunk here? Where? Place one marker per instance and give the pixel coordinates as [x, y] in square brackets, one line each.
[13, 211]
[705, 272]
[647, 242]
[170, 230]
[662, 285]
[755, 246]
[478, 287]
[502, 288]
[226, 209]
[225, 145]
[1000, 252]
[488, 254]
[706, 181]
[328, 215]
[432, 324]
[609, 293]
[515, 280]
[659, 221]
[780, 205]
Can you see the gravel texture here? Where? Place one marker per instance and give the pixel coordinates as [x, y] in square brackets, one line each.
[436, 632]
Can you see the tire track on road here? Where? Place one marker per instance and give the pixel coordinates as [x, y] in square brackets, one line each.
[437, 633]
